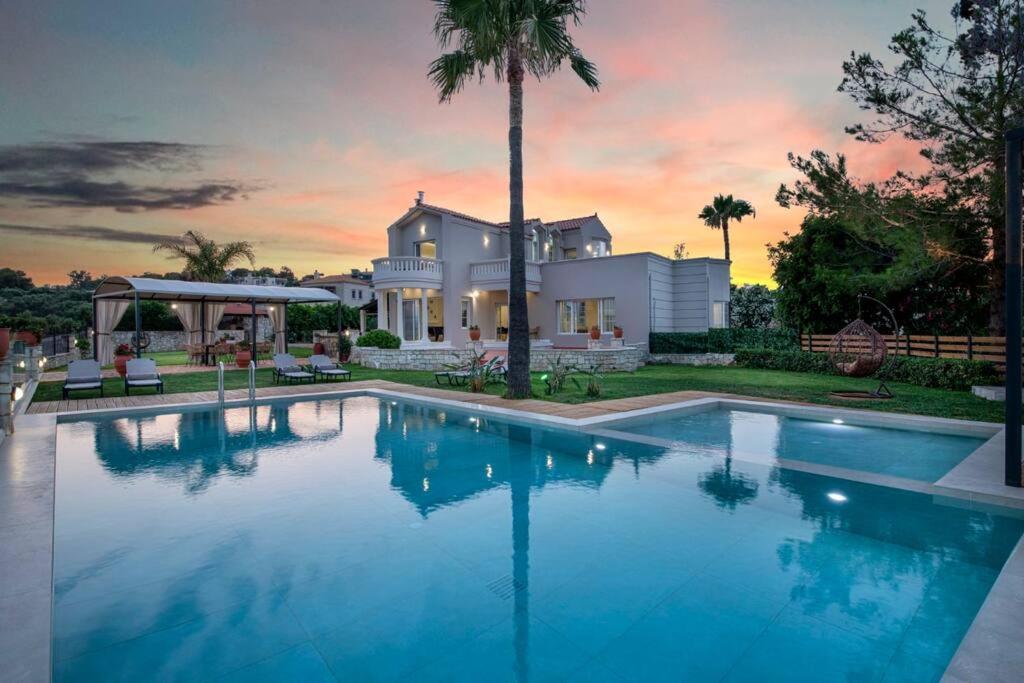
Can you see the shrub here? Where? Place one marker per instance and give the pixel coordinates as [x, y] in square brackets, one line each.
[344, 345]
[382, 339]
[940, 373]
[725, 340]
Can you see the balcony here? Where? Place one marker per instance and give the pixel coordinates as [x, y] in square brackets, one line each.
[493, 274]
[407, 271]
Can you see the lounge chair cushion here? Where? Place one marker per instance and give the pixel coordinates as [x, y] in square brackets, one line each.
[292, 370]
[142, 376]
[82, 385]
[148, 382]
[333, 371]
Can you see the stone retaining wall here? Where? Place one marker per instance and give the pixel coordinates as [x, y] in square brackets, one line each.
[172, 340]
[628, 358]
[692, 358]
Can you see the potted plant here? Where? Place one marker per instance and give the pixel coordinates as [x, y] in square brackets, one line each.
[344, 348]
[318, 346]
[595, 333]
[122, 354]
[29, 330]
[243, 354]
[617, 331]
[474, 332]
[82, 344]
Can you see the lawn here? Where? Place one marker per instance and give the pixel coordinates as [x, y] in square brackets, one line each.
[652, 379]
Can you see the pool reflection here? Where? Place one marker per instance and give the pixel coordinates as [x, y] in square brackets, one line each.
[400, 539]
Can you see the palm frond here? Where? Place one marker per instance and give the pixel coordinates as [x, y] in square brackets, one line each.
[450, 71]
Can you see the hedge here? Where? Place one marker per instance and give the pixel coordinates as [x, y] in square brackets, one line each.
[725, 340]
[940, 373]
[381, 339]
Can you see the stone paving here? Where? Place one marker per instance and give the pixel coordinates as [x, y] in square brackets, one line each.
[574, 411]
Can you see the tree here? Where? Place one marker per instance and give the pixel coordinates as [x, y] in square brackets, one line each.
[81, 279]
[723, 209]
[510, 38]
[956, 94]
[205, 260]
[751, 306]
[15, 279]
[679, 251]
[923, 253]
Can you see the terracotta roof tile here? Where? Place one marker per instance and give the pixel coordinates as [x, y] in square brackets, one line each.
[563, 224]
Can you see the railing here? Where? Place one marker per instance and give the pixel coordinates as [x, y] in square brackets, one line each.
[57, 343]
[252, 381]
[498, 269]
[992, 349]
[220, 384]
[407, 271]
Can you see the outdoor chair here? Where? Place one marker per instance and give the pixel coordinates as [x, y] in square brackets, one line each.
[141, 373]
[195, 354]
[83, 375]
[286, 368]
[325, 367]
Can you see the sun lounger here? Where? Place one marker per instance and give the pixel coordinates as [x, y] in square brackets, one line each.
[325, 367]
[83, 375]
[286, 368]
[141, 373]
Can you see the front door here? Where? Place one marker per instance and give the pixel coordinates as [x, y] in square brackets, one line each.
[501, 322]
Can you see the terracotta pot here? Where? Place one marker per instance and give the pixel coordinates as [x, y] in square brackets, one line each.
[242, 358]
[595, 333]
[30, 338]
[5, 341]
[318, 349]
[474, 335]
[120, 364]
[617, 331]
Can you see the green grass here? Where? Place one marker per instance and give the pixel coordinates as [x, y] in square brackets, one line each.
[653, 379]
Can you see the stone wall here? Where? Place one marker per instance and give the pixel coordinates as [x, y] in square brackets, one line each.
[692, 358]
[628, 358]
[175, 340]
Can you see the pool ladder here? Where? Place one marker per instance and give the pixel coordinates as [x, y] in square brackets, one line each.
[220, 384]
[252, 381]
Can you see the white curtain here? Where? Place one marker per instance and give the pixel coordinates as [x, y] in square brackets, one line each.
[188, 314]
[277, 318]
[108, 315]
[214, 313]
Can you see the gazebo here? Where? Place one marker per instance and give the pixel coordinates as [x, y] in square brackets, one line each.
[198, 305]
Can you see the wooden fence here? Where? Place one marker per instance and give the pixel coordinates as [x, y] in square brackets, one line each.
[992, 349]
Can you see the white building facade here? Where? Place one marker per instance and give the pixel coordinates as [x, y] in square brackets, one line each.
[446, 272]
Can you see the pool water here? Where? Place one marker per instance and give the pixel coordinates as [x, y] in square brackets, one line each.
[359, 539]
[765, 437]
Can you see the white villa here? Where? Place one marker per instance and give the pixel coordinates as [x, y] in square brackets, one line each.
[446, 271]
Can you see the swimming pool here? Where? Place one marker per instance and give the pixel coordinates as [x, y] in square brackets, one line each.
[768, 436]
[366, 539]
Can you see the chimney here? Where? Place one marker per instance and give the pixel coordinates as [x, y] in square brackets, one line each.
[419, 197]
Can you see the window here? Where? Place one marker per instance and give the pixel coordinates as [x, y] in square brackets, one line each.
[535, 247]
[720, 314]
[577, 316]
[599, 247]
[466, 314]
[353, 294]
[426, 249]
[569, 254]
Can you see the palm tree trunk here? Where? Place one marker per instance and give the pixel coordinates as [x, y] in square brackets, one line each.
[518, 321]
[725, 236]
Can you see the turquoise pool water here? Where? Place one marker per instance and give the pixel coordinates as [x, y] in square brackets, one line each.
[363, 540]
[765, 437]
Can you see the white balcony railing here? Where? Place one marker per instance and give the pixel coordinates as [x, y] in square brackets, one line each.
[407, 271]
[493, 274]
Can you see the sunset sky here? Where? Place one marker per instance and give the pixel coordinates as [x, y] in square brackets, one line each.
[307, 126]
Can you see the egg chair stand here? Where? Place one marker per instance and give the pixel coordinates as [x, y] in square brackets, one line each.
[858, 350]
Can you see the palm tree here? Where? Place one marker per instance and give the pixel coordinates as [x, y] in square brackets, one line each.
[205, 260]
[723, 209]
[510, 38]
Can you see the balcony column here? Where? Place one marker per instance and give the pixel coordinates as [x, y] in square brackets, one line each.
[382, 311]
[399, 314]
[424, 334]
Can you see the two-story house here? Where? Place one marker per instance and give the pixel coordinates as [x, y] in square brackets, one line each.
[352, 291]
[447, 271]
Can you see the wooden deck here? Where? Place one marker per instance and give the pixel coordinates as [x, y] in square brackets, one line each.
[574, 411]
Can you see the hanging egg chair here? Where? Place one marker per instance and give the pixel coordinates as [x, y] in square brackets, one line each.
[857, 350]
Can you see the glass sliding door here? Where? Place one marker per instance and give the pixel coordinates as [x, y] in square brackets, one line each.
[501, 322]
[411, 320]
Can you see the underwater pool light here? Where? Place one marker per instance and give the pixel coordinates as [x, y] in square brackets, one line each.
[836, 497]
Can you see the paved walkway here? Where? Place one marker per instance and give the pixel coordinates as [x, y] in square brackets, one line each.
[574, 411]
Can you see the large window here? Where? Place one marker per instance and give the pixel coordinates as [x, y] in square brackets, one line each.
[577, 316]
[466, 314]
[427, 249]
[569, 253]
[535, 247]
[599, 248]
[720, 314]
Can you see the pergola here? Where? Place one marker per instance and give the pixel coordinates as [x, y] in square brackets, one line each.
[198, 305]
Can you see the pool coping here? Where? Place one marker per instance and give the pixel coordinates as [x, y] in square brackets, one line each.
[26, 616]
